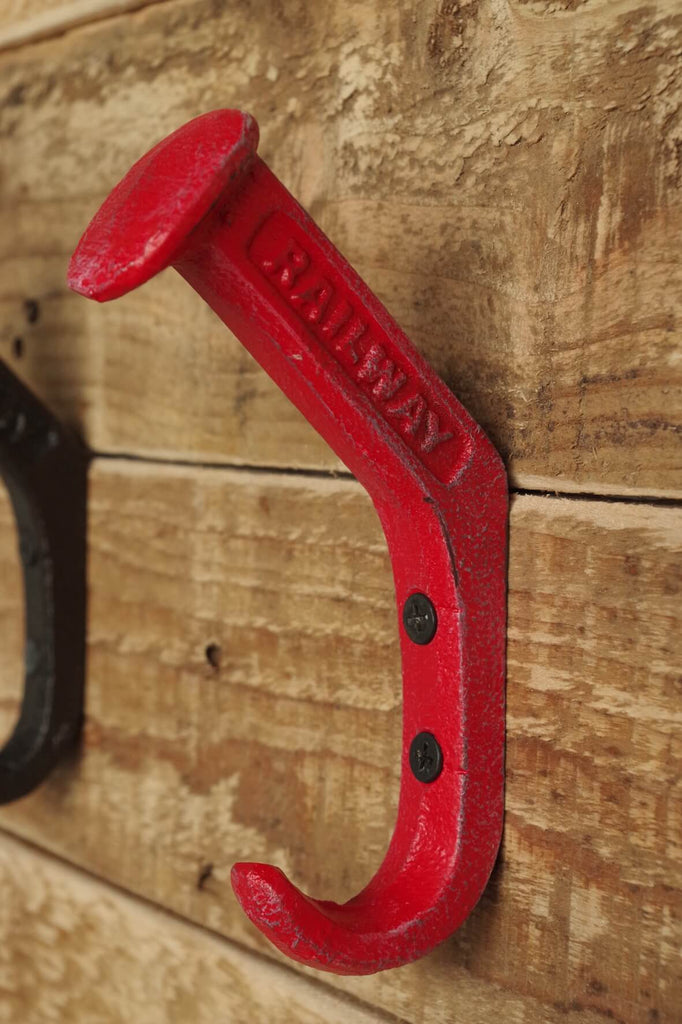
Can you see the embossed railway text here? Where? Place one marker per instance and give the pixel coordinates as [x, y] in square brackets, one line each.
[333, 315]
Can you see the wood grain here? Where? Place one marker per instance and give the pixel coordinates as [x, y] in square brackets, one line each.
[506, 176]
[285, 745]
[15, 13]
[74, 951]
[27, 21]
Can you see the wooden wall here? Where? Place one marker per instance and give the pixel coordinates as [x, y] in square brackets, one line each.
[506, 175]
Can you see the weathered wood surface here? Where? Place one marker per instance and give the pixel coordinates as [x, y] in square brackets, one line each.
[74, 951]
[288, 749]
[27, 21]
[505, 175]
[15, 13]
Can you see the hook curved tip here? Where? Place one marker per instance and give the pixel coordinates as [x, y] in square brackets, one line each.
[301, 927]
[348, 938]
[261, 890]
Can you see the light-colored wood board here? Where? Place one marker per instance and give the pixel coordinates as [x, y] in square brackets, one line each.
[76, 951]
[28, 21]
[288, 751]
[16, 13]
[506, 176]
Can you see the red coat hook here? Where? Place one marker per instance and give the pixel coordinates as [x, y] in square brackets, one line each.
[203, 202]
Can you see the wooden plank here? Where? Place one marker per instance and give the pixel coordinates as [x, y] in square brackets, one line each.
[75, 951]
[286, 748]
[505, 177]
[27, 21]
[14, 13]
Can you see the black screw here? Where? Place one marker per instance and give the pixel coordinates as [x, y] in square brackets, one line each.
[419, 618]
[426, 757]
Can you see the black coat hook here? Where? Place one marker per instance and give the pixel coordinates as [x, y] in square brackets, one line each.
[44, 468]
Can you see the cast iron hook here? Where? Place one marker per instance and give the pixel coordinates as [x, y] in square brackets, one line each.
[45, 471]
[204, 202]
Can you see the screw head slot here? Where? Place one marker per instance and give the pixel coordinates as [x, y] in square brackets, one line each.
[426, 757]
[419, 619]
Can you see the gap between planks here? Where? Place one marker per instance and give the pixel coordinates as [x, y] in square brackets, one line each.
[573, 756]
[343, 474]
[347, 1006]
